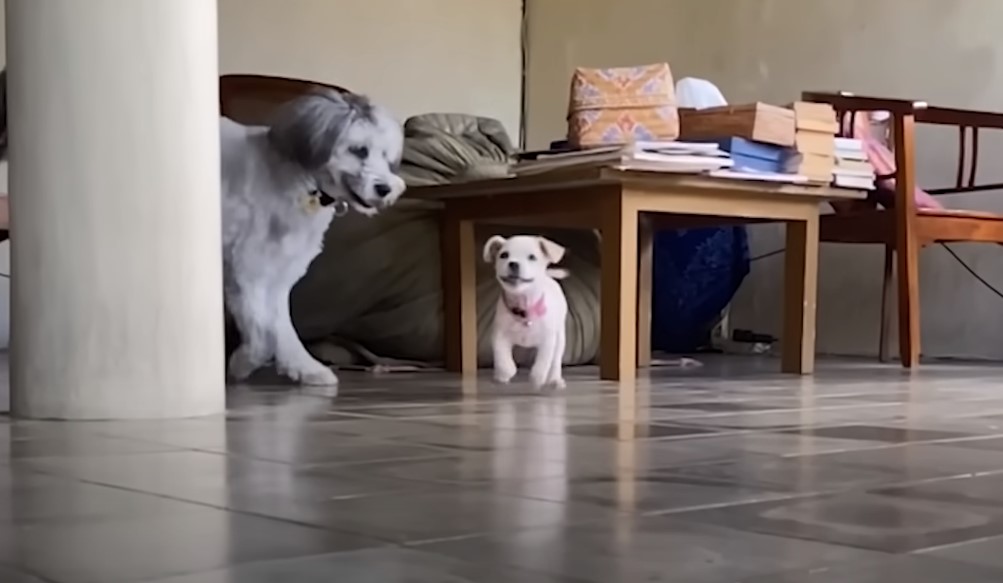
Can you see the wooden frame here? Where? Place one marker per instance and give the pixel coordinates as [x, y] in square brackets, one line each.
[903, 229]
[624, 207]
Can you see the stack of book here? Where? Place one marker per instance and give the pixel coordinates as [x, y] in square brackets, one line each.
[677, 157]
[852, 169]
[814, 150]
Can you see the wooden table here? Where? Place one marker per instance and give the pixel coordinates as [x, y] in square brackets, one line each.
[626, 207]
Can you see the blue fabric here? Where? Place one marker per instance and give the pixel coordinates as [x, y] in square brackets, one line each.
[696, 273]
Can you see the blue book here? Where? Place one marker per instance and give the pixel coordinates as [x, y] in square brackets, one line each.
[752, 155]
[743, 162]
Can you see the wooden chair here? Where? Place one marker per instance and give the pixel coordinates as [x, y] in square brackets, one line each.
[251, 99]
[896, 222]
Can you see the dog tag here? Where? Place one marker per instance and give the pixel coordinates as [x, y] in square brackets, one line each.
[340, 208]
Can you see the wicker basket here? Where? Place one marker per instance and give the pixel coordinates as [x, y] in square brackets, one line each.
[623, 105]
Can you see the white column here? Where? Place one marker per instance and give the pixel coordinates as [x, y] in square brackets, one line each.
[116, 301]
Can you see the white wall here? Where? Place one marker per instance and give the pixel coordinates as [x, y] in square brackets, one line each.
[949, 53]
[415, 56]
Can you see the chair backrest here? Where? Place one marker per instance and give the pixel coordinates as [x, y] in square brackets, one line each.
[251, 99]
[854, 115]
[882, 158]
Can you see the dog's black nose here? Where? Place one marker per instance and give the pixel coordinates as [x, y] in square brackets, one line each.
[382, 190]
[513, 266]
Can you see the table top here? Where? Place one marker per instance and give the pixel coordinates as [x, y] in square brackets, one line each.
[596, 176]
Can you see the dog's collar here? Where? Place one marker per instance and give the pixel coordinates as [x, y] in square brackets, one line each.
[318, 199]
[534, 312]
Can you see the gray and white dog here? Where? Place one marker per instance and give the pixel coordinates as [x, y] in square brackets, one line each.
[282, 185]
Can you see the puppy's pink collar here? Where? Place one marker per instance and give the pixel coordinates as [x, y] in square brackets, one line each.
[537, 310]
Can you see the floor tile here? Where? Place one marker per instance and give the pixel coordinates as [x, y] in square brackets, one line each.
[74, 502]
[476, 440]
[720, 406]
[483, 468]
[647, 549]
[642, 431]
[391, 428]
[984, 553]
[426, 517]
[782, 420]
[631, 493]
[76, 445]
[9, 575]
[187, 540]
[780, 444]
[860, 519]
[878, 433]
[990, 443]
[218, 480]
[390, 565]
[892, 569]
[296, 450]
[844, 470]
[972, 491]
[423, 516]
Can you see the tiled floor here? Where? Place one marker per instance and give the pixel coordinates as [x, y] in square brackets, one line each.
[726, 474]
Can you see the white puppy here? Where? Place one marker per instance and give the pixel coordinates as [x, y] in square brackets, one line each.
[281, 186]
[531, 310]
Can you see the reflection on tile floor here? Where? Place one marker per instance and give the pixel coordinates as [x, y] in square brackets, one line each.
[726, 474]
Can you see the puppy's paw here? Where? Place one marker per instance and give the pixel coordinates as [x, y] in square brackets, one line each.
[504, 374]
[538, 378]
[559, 384]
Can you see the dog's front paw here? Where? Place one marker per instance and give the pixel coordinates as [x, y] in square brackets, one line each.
[559, 384]
[320, 378]
[241, 365]
[314, 374]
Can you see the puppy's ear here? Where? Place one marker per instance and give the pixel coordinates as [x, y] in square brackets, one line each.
[306, 129]
[491, 248]
[552, 251]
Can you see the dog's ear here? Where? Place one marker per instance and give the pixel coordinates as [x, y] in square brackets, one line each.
[307, 129]
[552, 251]
[491, 248]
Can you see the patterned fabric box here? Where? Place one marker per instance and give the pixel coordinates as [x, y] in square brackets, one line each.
[619, 106]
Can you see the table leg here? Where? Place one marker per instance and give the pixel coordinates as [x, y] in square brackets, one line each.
[800, 296]
[645, 253]
[459, 293]
[618, 290]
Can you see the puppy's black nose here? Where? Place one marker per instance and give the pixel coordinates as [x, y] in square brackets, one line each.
[382, 190]
[513, 266]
